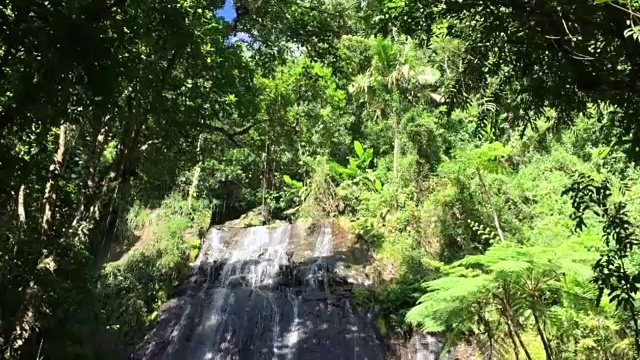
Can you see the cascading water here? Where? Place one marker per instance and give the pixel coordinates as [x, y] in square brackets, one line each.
[249, 300]
[246, 277]
[428, 348]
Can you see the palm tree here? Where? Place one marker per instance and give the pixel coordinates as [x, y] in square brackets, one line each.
[398, 75]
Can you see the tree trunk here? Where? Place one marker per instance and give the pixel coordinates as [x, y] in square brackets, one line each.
[509, 318]
[265, 176]
[22, 216]
[487, 325]
[54, 172]
[516, 351]
[26, 322]
[493, 209]
[117, 183]
[543, 338]
[193, 189]
[89, 186]
[396, 145]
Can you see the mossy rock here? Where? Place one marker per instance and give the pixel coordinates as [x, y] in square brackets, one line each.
[256, 217]
[382, 325]
[193, 245]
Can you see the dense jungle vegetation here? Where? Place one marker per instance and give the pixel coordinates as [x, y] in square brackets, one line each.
[485, 150]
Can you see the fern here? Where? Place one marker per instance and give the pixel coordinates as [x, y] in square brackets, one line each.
[448, 301]
[522, 283]
[485, 232]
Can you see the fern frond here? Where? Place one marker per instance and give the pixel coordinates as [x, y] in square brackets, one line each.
[510, 266]
[449, 301]
[485, 232]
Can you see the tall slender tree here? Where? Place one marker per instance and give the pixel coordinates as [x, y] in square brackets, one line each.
[397, 77]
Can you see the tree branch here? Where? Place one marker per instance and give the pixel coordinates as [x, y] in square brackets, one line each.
[231, 135]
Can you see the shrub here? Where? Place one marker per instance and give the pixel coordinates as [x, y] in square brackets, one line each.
[361, 296]
[131, 289]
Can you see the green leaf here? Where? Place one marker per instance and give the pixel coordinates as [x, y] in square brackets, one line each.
[345, 171]
[378, 185]
[606, 151]
[292, 211]
[394, 4]
[510, 266]
[353, 166]
[359, 149]
[293, 183]
[368, 154]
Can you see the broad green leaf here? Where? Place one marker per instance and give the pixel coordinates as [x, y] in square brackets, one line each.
[368, 154]
[293, 183]
[606, 151]
[359, 149]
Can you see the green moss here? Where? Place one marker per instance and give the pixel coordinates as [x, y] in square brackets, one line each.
[382, 325]
[194, 248]
[254, 217]
[153, 316]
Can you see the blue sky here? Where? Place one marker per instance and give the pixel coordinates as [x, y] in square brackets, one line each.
[228, 12]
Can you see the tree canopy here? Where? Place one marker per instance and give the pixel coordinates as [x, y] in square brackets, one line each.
[484, 152]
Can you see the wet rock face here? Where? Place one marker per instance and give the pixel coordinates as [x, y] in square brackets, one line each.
[421, 346]
[264, 293]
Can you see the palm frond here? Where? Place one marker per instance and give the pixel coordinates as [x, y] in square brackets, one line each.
[384, 54]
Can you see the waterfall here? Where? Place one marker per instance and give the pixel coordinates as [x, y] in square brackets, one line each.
[249, 300]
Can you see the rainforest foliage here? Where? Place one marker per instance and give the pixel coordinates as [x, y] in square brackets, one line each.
[485, 151]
